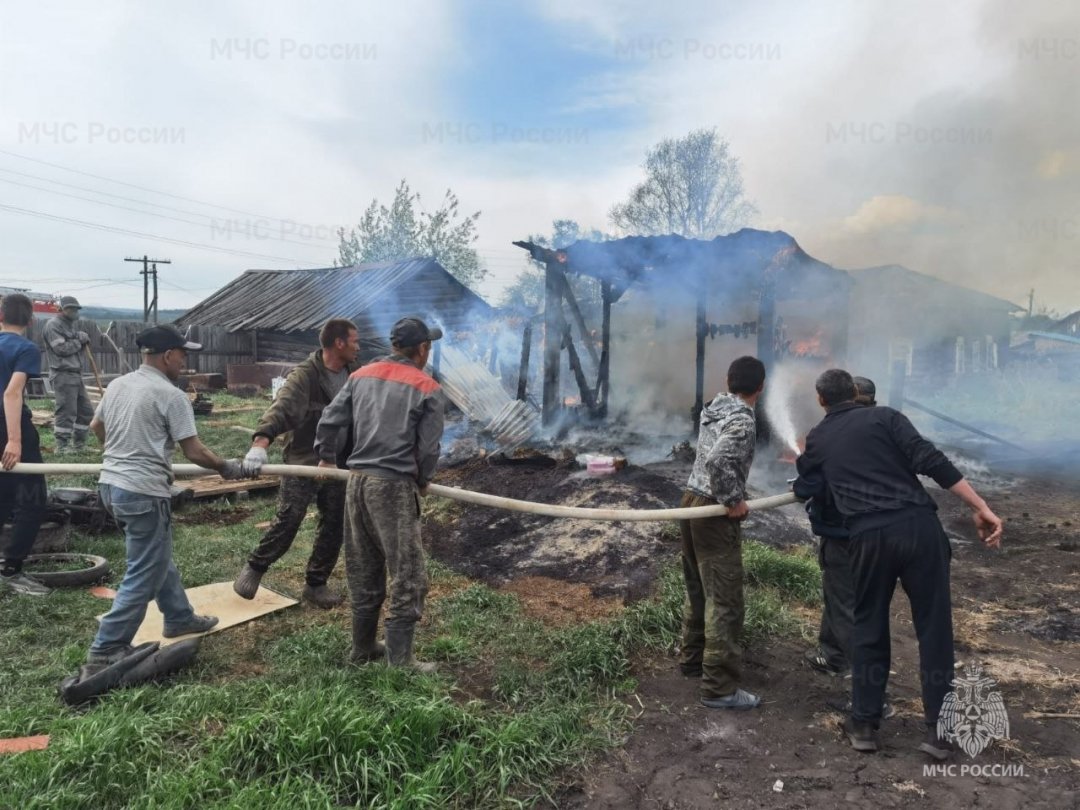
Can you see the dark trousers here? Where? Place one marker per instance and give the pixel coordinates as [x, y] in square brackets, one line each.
[915, 551]
[22, 499]
[713, 613]
[838, 609]
[294, 497]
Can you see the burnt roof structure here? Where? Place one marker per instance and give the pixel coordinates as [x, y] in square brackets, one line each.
[742, 260]
[761, 267]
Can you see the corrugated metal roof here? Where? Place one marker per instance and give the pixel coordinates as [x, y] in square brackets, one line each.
[300, 300]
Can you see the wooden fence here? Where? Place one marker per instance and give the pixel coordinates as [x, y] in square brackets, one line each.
[220, 347]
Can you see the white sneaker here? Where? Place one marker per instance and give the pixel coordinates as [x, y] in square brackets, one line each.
[27, 586]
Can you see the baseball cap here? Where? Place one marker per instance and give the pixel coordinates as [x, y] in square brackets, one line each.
[866, 387]
[162, 338]
[70, 301]
[412, 332]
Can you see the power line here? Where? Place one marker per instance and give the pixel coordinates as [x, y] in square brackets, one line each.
[151, 236]
[135, 210]
[142, 188]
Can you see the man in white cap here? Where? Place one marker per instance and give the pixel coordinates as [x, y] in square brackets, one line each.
[142, 416]
[64, 348]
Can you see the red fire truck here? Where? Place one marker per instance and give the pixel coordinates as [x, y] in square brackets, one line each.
[45, 304]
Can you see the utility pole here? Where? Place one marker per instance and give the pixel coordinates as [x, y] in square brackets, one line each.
[149, 270]
[1031, 302]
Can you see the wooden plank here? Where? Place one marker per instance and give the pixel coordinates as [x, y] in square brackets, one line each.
[213, 487]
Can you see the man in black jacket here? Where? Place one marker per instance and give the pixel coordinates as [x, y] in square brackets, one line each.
[871, 459]
[832, 655]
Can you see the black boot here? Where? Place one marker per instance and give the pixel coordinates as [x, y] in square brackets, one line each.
[399, 647]
[365, 648]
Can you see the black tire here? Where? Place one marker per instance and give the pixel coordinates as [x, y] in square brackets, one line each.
[97, 568]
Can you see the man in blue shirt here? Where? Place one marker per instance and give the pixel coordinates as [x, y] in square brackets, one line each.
[22, 497]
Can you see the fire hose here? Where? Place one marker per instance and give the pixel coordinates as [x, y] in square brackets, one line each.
[453, 493]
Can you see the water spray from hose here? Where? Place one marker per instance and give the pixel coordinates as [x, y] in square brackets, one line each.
[778, 406]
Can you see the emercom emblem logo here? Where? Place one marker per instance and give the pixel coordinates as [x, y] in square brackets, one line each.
[973, 715]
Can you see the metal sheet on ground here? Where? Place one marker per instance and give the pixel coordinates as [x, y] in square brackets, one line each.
[217, 599]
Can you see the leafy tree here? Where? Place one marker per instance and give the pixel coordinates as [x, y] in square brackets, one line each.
[693, 187]
[527, 291]
[405, 230]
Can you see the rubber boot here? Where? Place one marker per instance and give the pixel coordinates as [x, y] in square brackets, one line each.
[79, 441]
[247, 582]
[63, 443]
[365, 649]
[399, 648]
[321, 597]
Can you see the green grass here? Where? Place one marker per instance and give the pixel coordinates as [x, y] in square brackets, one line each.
[271, 715]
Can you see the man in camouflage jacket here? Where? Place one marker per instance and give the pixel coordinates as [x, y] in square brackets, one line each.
[294, 414]
[712, 546]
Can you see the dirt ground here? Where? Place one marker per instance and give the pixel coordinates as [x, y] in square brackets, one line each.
[1016, 612]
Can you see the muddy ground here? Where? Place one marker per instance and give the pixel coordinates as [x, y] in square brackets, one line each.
[1016, 612]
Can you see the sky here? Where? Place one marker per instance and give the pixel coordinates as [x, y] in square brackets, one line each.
[943, 137]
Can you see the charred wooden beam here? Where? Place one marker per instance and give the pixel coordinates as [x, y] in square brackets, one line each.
[553, 333]
[603, 385]
[523, 369]
[701, 330]
[766, 344]
[579, 375]
[493, 356]
[579, 319]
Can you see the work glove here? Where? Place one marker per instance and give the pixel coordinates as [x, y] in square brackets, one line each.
[232, 470]
[84, 338]
[254, 460]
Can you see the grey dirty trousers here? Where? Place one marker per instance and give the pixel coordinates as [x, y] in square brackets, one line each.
[73, 408]
[382, 539]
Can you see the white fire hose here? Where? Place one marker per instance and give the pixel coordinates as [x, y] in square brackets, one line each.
[453, 493]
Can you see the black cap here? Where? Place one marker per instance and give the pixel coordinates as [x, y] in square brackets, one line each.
[70, 301]
[158, 339]
[866, 387]
[412, 332]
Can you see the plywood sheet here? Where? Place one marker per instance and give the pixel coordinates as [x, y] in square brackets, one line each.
[217, 599]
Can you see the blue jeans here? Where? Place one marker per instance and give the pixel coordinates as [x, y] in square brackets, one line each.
[151, 573]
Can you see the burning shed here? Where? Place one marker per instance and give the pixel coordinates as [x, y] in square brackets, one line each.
[750, 292]
[935, 329]
[284, 309]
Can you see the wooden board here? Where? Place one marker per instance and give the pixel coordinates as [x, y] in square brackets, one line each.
[42, 419]
[212, 486]
[217, 599]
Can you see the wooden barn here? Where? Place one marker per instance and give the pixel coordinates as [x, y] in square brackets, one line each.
[283, 310]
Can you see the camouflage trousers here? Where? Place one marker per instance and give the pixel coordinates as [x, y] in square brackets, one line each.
[713, 612]
[294, 496]
[382, 538]
[73, 408]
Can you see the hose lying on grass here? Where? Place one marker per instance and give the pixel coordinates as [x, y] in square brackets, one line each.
[453, 493]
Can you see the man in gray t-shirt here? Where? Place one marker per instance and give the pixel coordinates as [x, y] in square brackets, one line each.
[142, 416]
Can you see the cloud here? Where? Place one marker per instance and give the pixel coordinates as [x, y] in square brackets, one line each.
[895, 212]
